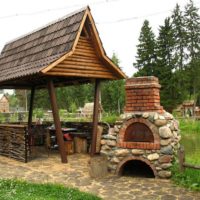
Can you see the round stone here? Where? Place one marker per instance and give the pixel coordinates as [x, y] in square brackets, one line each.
[161, 117]
[137, 151]
[160, 122]
[165, 132]
[168, 116]
[145, 115]
[115, 160]
[122, 116]
[105, 147]
[166, 165]
[151, 118]
[103, 142]
[121, 152]
[153, 156]
[109, 137]
[167, 150]
[104, 153]
[165, 142]
[155, 116]
[165, 159]
[164, 174]
[111, 143]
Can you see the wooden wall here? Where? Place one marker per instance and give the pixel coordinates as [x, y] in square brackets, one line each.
[13, 143]
[84, 62]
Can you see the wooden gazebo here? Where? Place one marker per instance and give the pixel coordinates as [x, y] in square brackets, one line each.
[65, 52]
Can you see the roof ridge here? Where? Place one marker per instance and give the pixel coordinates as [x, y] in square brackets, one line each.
[48, 24]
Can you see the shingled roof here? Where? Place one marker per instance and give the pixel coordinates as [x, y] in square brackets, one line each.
[29, 55]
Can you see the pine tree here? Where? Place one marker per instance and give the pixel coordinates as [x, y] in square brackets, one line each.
[145, 59]
[179, 34]
[192, 23]
[165, 66]
[179, 51]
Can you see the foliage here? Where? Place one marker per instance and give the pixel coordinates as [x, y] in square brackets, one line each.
[176, 59]
[110, 118]
[17, 190]
[113, 93]
[190, 178]
[38, 112]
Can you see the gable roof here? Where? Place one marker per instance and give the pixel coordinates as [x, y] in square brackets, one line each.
[40, 50]
[27, 55]
[3, 95]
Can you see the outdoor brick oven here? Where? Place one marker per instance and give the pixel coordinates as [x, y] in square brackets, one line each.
[146, 138]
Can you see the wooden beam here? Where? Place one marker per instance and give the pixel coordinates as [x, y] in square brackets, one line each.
[57, 123]
[86, 75]
[30, 113]
[95, 117]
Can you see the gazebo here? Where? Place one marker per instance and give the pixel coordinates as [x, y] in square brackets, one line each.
[65, 52]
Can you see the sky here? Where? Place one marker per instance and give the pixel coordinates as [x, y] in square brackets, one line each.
[118, 21]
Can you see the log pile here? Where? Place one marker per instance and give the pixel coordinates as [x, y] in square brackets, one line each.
[13, 141]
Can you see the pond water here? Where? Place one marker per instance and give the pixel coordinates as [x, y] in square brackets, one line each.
[191, 143]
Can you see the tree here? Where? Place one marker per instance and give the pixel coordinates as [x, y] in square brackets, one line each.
[179, 35]
[192, 23]
[179, 51]
[113, 93]
[146, 56]
[166, 60]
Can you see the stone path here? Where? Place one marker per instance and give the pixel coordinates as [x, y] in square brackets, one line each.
[75, 174]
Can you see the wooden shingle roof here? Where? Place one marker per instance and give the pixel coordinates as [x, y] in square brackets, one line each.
[27, 55]
[33, 53]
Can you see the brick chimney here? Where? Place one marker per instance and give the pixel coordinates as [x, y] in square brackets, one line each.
[143, 94]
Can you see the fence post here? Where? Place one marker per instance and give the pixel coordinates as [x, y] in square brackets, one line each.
[181, 156]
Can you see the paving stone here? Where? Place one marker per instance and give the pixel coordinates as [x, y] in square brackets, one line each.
[75, 174]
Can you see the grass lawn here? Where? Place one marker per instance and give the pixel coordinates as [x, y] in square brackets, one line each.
[21, 190]
[190, 178]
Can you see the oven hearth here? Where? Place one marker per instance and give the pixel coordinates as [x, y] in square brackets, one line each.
[146, 138]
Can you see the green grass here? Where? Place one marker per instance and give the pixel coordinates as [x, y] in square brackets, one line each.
[18, 190]
[190, 178]
[189, 126]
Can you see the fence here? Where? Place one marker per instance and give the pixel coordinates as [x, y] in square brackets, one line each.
[13, 141]
[182, 163]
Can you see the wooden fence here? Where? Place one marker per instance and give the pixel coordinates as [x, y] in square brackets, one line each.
[13, 141]
[182, 163]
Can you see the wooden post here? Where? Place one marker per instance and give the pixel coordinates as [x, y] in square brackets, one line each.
[181, 155]
[30, 114]
[95, 117]
[56, 119]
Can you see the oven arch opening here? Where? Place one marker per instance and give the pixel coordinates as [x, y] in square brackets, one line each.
[136, 167]
[138, 132]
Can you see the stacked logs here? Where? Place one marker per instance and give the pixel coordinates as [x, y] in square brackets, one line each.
[13, 141]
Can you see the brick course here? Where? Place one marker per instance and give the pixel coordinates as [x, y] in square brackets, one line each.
[143, 94]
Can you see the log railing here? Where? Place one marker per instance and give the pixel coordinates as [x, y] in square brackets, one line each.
[13, 141]
[182, 163]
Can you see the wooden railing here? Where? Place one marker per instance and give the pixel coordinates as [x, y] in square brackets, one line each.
[182, 163]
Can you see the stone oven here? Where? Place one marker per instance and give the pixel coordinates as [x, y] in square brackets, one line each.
[145, 140]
